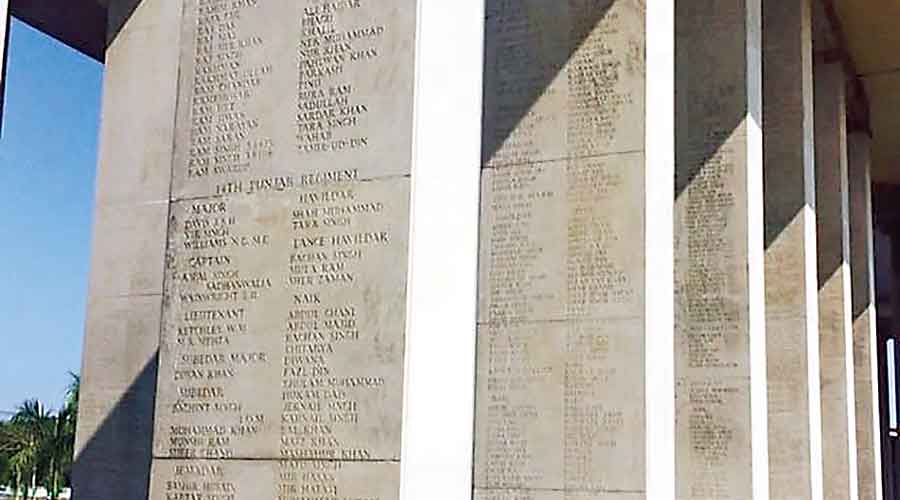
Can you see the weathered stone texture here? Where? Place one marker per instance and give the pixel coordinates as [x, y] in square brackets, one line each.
[838, 448]
[285, 293]
[868, 446]
[115, 427]
[560, 397]
[718, 199]
[791, 289]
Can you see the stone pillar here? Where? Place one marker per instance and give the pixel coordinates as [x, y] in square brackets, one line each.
[865, 341]
[835, 332]
[574, 379]
[440, 336]
[722, 449]
[284, 324]
[119, 372]
[792, 340]
[249, 315]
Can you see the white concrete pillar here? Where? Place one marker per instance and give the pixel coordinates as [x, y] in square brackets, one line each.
[721, 440]
[119, 369]
[835, 332]
[795, 439]
[440, 335]
[865, 341]
[575, 376]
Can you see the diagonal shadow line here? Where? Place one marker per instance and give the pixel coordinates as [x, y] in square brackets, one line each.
[118, 14]
[711, 103]
[829, 228]
[785, 131]
[544, 55]
[828, 180]
[80, 24]
[527, 45]
[711, 109]
[115, 461]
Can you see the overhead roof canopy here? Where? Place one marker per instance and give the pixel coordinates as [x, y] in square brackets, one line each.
[80, 24]
[872, 29]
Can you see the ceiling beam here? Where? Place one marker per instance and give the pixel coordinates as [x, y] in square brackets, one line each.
[858, 110]
[80, 24]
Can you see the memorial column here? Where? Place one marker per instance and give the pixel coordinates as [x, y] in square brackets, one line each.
[285, 315]
[441, 319]
[864, 318]
[574, 380]
[792, 340]
[119, 370]
[835, 329]
[721, 444]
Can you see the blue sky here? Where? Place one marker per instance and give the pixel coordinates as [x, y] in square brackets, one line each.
[48, 154]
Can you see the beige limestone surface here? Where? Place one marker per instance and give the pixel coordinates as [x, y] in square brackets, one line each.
[273, 89]
[283, 326]
[718, 199]
[119, 370]
[791, 287]
[838, 442]
[282, 341]
[560, 371]
[242, 479]
[864, 317]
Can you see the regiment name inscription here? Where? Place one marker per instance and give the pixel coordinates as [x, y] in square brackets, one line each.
[281, 357]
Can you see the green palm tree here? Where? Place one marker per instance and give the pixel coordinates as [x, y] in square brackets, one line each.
[26, 439]
[61, 444]
[11, 439]
[37, 447]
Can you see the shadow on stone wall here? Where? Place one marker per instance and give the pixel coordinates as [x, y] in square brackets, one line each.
[527, 46]
[118, 14]
[114, 464]
[711, 108]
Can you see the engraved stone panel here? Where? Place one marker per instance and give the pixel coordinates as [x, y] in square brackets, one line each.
[556, 407]
[555, 495]
[270, 89]
[282, 345]
[283, 326]
[712, 319]
[558, 239]
[563, 79]
[284, 480]
[560, 372]
[714, 204]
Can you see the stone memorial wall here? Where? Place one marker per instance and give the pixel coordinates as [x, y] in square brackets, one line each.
[834, 294]
[560, 349]
[713, 201]
[255, 225]
[282, 346]
[792, 345]
[864, 318]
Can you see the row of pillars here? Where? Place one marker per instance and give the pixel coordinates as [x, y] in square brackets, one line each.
[763, 147]
[759, 278]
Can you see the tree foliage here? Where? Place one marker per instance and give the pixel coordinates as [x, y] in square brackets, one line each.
[37, 446]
